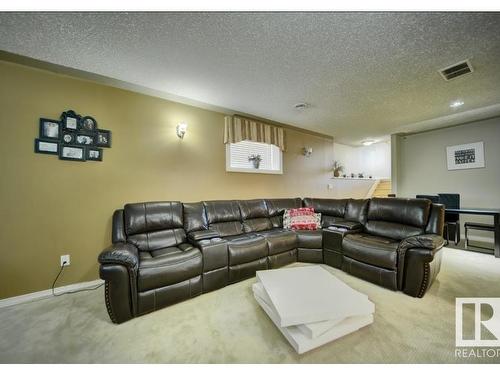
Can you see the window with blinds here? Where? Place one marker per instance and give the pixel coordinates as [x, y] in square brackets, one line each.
[238, 154]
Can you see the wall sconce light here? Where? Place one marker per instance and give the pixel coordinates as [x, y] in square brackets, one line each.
[181, 129]
[307, 151]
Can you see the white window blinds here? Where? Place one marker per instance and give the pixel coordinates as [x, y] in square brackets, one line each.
[237, 155]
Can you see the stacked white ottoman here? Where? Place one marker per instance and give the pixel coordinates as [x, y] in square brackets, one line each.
[310, 306]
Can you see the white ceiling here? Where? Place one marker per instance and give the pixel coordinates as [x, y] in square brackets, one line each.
[366, 75]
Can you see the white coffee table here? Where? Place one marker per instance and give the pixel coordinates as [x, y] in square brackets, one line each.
[310, 306]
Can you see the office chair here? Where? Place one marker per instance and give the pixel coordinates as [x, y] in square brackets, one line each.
[451, 221]
[432, 198]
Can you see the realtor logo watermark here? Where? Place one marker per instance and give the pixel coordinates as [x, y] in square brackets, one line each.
[484, 333]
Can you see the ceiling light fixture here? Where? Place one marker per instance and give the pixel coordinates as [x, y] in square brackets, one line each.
[368, 142]
[301, 106]
[456, 104]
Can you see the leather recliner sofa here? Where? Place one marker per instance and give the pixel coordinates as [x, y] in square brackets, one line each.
[166, 252]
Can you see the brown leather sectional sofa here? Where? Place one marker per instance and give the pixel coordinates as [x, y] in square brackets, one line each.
[166, 252]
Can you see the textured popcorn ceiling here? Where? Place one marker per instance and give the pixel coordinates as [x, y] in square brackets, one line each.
[366, 75]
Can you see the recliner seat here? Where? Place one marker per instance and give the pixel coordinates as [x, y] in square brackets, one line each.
[165, 252]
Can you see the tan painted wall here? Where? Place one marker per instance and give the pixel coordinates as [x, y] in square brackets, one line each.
[422, 167]
[51, 207]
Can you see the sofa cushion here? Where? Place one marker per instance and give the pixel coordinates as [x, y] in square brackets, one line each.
[327, 207]
[279, 241]
[246, 248]
[310, 239]
[167, 266]
[276, 208]
[158, 239]
[331, 210]
[253, 208]
[195, 218]
[224, 217]
[395, 231]
[413, 212]
[255, 216]
[357, 210]
[370, 249]
[152, 216]
[303, 218]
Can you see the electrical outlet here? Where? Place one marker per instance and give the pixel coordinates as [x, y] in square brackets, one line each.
[65, 258]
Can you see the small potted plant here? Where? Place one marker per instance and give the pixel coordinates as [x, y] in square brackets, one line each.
[337, 168]
[255, 159]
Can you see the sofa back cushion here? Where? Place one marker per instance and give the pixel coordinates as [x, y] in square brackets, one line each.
[276, 208]
[357, 210]
[224, 217]
[254, 215]
[195, 217]
[331, 210]
[397, 218]
[154, 225]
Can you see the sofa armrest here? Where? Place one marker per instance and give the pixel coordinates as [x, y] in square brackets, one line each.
[419, 261]
[215, 253]
[348, 225]
[119, 264]
[121, 253]
[202, 235]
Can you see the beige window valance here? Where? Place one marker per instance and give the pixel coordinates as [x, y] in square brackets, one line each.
[237, 129]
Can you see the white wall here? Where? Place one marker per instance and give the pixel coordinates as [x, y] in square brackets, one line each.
[422, 167]
[374, 160]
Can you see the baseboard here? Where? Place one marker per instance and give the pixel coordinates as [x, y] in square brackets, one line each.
[48, 293]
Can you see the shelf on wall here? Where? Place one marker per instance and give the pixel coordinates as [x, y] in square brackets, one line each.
[354, 178]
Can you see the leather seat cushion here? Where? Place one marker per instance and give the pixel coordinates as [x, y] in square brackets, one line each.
[374, 250]
[246, 248]
[310, 239]
[279, 241]
[168, 266]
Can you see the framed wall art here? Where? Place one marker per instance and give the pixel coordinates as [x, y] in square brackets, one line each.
[103, 138]
[94, 154]
[74, 137]
[49, 129]
[465, 156]
[43, 146]
[72, 153]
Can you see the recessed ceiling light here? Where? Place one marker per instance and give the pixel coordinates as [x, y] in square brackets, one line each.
[456, 104]
[368, 142]
[301, 106]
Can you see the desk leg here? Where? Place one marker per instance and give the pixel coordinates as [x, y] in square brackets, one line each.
[497, 235]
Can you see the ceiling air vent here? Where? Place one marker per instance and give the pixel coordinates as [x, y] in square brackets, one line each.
[456, 70]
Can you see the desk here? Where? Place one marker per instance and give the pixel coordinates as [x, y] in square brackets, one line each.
[495, 212]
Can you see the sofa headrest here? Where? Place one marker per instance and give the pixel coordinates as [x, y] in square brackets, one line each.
[357, 210]
[252, 209]
[330, 207]
[278, 206]
[414, 212]
[194, 217]
[152, 216]
[222, 211]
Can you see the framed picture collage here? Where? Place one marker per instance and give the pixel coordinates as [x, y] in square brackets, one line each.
[72, 137]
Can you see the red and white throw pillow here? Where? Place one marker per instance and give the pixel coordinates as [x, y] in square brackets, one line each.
[301, 219]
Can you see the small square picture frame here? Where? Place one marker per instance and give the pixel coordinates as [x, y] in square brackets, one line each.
[44, 146]
[68, 138]
[72, 152]
[102, 138]
[91, 154]
[70, 121]
[49, 129]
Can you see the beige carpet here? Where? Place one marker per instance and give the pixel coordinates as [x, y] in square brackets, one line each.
[228, 326]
